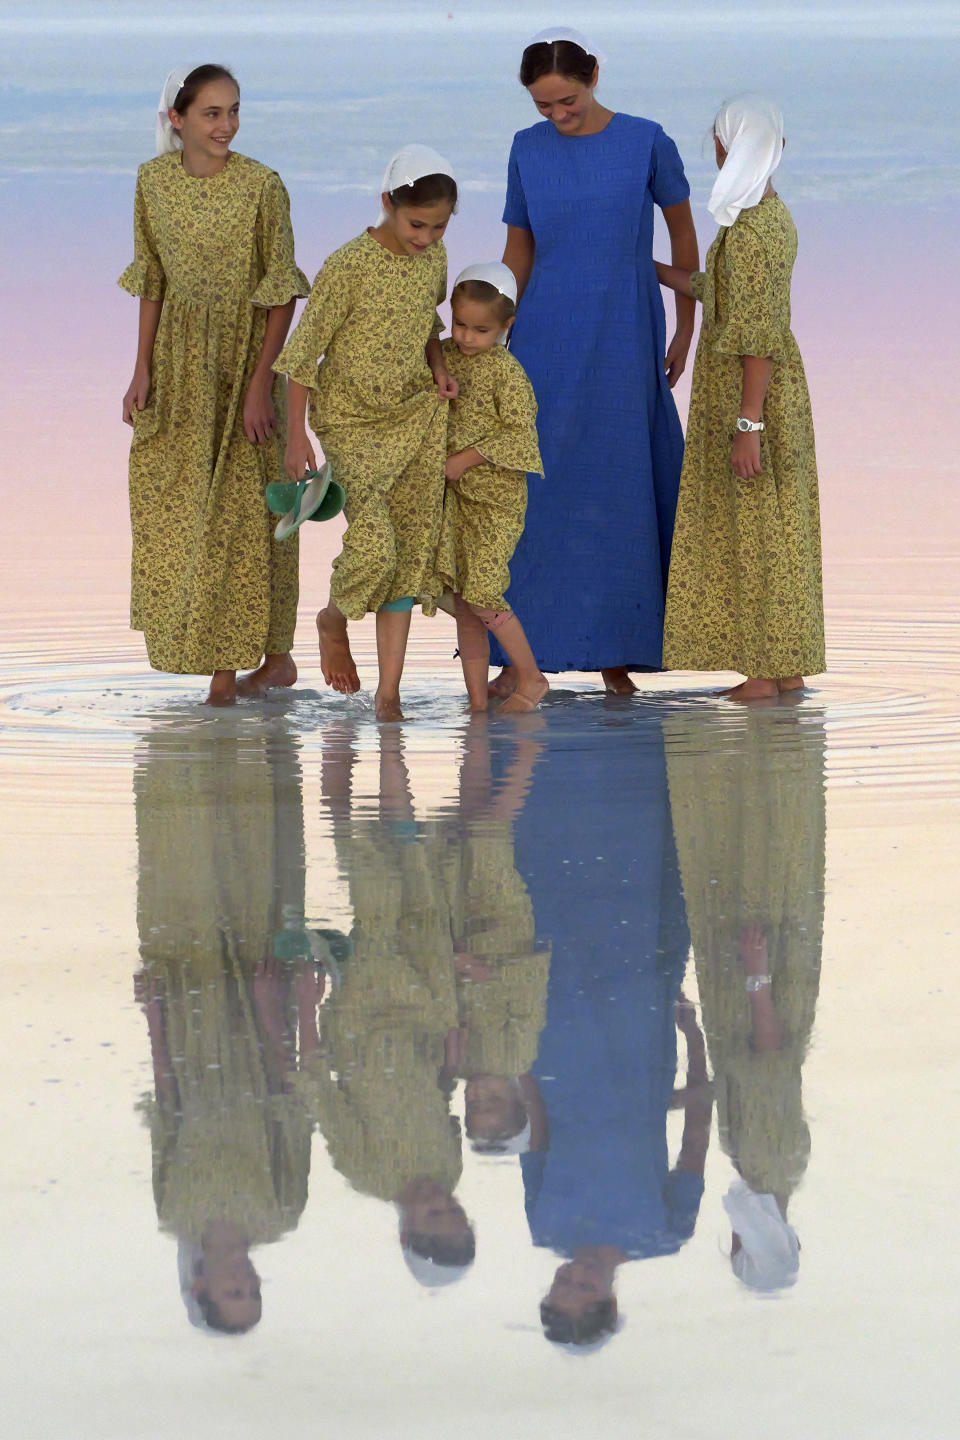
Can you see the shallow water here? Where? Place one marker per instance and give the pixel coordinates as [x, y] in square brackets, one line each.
[254, 956]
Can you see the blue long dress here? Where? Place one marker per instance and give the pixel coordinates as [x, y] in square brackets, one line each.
[606, 888]
[588, 579]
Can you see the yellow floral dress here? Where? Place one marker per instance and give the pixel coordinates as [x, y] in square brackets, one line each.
[745, 587]
[375, 410]
[483, 514]
[211, 589]
[751, 833]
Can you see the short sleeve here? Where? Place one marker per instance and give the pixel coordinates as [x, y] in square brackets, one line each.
[668, 183]
[512, 444]
[515, 208]
[280, 279]
[438, 325]
[698, 281]
[755, 320]
[144, 276]
[328, 307]
[682, 1195]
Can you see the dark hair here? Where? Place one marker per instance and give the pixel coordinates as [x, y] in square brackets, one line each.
[556, 57]
[195, 82]
[596, 1321]
[425, 191]
[487, 294]
[444, 1249]
[214, 1318]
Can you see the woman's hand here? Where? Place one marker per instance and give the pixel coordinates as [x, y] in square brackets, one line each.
[298, 456]
[259, 416]
[676, 358]
[137, 392]
[447, 387]
[745, 455]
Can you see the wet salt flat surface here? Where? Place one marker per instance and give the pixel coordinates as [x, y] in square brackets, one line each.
[254, 958]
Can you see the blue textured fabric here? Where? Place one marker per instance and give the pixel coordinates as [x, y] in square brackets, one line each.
[588, 579]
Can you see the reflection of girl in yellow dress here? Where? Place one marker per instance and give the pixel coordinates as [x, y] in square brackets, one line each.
[220, 834]
[750, 827]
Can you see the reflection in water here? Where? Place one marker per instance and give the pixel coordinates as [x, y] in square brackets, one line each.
[750, 826]
[220, 900]
[599, 1188]
[441, 982]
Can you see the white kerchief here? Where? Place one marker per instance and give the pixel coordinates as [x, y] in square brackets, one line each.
[500, 276]
[410, 164]
[769, 1254]
[575, 37]
[750, 129]
[167, 137]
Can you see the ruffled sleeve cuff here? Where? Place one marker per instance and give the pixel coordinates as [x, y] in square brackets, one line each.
[739, 338]
[280, 285]
[510, 450]
[143, 278]
[294, 362]
[698, 281]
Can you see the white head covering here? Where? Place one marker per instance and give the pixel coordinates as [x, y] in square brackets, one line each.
[750, 129]
[575, 37]
[769, 1254]
[167, 137]
[516, 1145]
[501, 277]
[429, 1273]
[410, 164]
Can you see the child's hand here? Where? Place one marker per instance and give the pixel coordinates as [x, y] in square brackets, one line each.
[259, 416]
[298, 456]
[745, 455]
[675, 361]
[137, 392]
[455, 467]
[447, 387]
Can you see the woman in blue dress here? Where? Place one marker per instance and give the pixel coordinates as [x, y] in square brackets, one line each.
[590, 571]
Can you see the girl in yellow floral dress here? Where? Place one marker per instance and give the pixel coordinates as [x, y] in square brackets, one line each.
[492, 445]
[377, 402]
[215, 273]
[745, 588]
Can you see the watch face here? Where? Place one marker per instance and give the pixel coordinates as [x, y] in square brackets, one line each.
[743, 424]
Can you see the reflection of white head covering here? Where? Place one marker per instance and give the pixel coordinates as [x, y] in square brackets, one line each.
[575, 37]
[410, 164]
[429, 1273]
[516, 1145]
[167, 137]
[769, 1257]
[750, 129]
[188, 1265]
[494, 273]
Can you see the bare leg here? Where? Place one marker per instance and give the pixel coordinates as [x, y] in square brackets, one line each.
[473, 642]
[336, 661]
[503, 684]
[791, 682]
[275, 671]
[531, 682]
[393, 627]
[223, 688]
[755, 688]
[616, 681]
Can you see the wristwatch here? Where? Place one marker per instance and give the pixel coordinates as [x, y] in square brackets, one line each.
[745, 426]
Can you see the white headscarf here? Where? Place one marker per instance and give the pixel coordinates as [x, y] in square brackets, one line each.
[769, 1254]
[168, 138]
[575, 37]
[750, 129]
[410, 164]
[494, 273]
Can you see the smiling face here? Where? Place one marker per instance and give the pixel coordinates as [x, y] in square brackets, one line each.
[476, 326]
[412, 229]
[566, 102]
[208, 125]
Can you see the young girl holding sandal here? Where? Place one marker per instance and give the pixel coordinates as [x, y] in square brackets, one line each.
[492, 445]
[377, 403]
[214, 269]
[745, 589]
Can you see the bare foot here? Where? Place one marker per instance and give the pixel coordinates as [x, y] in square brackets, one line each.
[503, 684]
[223, 688]
[753, 689]
[522, 701]
[616, 681]
[477, 707]
[275, 672]
[336, 662]
[387, 707]
[792, 682]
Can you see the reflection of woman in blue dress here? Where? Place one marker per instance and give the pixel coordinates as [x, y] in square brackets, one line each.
[589, 574]
[598, 1186]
